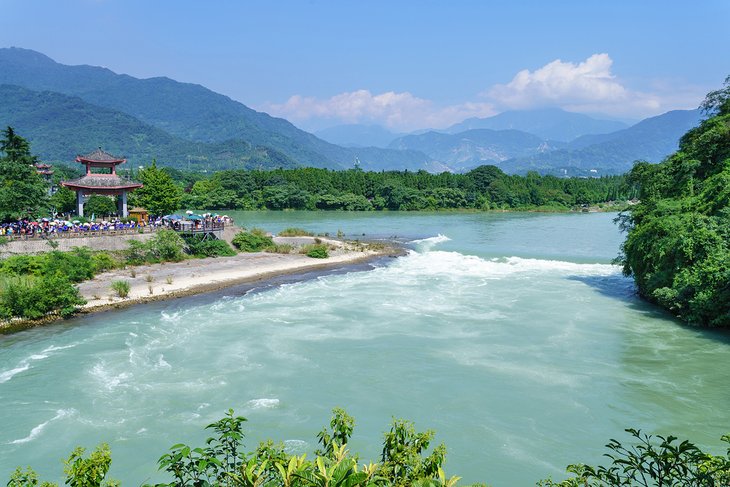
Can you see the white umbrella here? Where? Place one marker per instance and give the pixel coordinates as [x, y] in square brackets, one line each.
[189, 212]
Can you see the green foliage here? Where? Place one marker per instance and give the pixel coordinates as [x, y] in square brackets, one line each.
[199, 246]
[76, 266]
[403, 450]
[212, 464]
[23, 193]
[651, 463]
[164, 246]
[315, 251]
[103, 261]
[121, 288]
[342, 425]
[35, 297]
[99, 205]
[91, 471]
[159, 195]
[223, 462]
[678, 242]
[26, 478]
[355, 190]
[295, 232]
[254, 241]
[63, 201]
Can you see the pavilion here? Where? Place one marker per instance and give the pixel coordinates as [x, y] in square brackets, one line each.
[103, 183]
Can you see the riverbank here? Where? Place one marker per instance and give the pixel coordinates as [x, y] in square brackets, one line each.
[171, 280]
[176, 279]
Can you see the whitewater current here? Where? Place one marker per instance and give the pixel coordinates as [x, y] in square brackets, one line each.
[521, 363]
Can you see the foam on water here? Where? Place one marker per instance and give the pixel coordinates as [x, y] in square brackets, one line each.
[24, 365]
[9, 374]
[37, 430]
[426, 244]
[263, 403]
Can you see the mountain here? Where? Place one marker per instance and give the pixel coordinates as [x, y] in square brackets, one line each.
[60, 126]
[189, 111]
[358, 135]
[548, 123]
[472, 148]
[651, 140]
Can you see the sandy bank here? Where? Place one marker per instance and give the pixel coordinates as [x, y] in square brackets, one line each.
[172, 280]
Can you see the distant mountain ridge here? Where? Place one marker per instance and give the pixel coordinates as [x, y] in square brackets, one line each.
[358, 135]
[67, 109]
[548, 123]
[60, 126]
[472, 148]
[651, 140]
[191, 112]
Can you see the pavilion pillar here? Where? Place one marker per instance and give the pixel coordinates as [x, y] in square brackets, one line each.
[122, 205]
[79, 203]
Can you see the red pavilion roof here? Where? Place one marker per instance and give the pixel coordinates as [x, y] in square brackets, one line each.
[101, 182]
[100, 156]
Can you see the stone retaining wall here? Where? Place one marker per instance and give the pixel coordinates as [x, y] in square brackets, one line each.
[40, 245]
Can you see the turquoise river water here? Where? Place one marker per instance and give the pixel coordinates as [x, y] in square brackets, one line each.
[511, 335]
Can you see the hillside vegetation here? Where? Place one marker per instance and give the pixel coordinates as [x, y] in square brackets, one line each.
[190, 112]
[60, 126]
[678, 244]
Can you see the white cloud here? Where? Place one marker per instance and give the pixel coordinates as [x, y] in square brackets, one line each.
[397, 111]
[588, 86]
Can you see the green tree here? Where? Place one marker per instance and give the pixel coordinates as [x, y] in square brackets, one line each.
[159, 195]
[100, 206]
[23, 193]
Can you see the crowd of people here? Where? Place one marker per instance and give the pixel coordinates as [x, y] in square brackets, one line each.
[45, 227]
[55, 227]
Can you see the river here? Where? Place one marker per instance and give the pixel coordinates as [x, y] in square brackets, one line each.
[511, 335]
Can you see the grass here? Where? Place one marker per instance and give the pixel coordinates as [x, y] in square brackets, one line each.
[295, 232]
[121, 288]
[315, 251]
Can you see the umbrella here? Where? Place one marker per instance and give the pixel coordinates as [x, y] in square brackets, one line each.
[195, 217]
[189, 212]
[76, 221]
[44, 219]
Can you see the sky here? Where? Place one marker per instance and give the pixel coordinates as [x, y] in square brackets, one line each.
[405, 65]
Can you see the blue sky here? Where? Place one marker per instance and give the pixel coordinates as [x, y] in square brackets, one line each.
[402, 64]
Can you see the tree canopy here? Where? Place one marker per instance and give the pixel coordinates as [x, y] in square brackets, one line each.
[23, 193]
[678, 243]
[159, 195]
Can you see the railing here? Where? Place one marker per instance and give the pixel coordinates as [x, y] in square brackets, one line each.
[82, 232]
[202, 228]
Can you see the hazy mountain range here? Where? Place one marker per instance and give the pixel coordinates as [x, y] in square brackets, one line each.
[65, 110]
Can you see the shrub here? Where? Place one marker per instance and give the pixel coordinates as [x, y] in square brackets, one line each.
[316, 251]
[121, 288]
[34, 297]
[76, 265]
[295, 232]
[103, 262]
[282, 248]
[164, 246]
[167, 245]
[207, 247]
[254, 241]
[21, 265]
